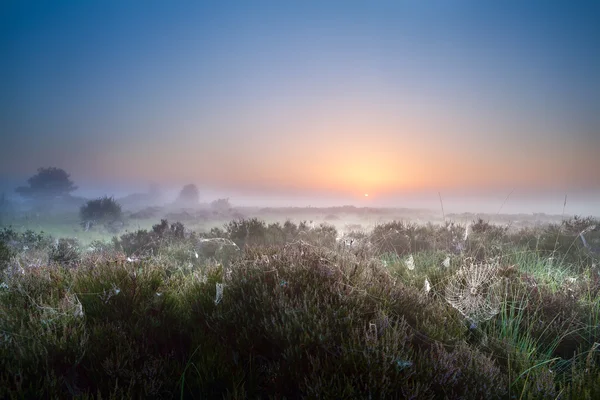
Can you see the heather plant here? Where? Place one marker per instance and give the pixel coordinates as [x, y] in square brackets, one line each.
[6, 253]
[449, 237]
[290, 231]
[275, 234]
[391, 238]
[577, 224]
[483, 227]
[24, 240]
[143, 242]
[65, 252]
[323, 235]
[247, 232]
[293, 317]
[554, 241]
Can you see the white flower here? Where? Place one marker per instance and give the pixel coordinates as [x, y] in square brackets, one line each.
[446, 262]
[410, 262]
[427, 286]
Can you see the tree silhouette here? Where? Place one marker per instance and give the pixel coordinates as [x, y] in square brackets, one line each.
[221, 205]
[48, 183]
[189, 195]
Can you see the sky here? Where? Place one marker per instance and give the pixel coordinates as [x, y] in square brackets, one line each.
[288, 101]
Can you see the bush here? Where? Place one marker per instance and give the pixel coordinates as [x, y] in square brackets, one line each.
[577, 224]
[391, 238]
[5, 254]
[292, 320]
[102, 210]
[245, 232]
[189, 196]
[146, 243]
[65, 252]
[221, 205]
[25, 240]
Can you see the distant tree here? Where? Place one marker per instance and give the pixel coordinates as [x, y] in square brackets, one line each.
[48, 183]
[189, 195]
[221, 205]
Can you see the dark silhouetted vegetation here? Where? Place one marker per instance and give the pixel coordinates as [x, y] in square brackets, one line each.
[102, 211]
[48, 183]
[189, 195]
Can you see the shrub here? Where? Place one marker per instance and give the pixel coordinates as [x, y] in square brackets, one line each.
[221, 205]
[143, 242]
[102, 210]
[391, 238]
[28, 241]
[189, 195]
[246, 232]
[5, 254]
[577, 224]
[293, 320]
[323, 235]
[65, 252]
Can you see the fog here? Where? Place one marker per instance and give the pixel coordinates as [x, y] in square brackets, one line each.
[584, 203]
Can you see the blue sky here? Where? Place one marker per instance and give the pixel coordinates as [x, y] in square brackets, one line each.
[324, 98]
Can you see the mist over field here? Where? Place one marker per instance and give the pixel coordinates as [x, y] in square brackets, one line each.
[334, 199]
[308, 104]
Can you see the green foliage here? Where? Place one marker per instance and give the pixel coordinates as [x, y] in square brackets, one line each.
[103, 210]
[578, 224]
[48, 183]
[403, 238]
[293, 317]
[5, 255]
[247, 232]
[143, 242]
[65, 252]
[24, 240]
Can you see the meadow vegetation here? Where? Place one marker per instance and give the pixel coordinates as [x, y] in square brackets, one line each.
[296, 310]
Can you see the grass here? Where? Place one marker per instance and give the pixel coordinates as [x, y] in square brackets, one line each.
[300, 316]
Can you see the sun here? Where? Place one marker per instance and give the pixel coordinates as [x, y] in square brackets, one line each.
[366, 194]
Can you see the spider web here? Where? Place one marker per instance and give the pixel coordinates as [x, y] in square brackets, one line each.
[475, 292]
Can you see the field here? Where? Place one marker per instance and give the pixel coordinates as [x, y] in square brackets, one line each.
[300, 303]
